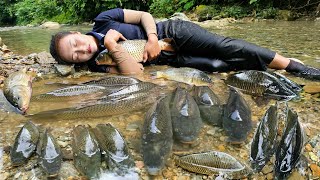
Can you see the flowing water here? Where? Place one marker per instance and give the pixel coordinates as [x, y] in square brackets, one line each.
[293, 39]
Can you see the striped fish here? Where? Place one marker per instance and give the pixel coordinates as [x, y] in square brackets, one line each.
[214, 163]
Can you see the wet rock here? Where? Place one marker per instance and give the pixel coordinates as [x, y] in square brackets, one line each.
[50, 25]
[311, 89]
[180, 16]
[295, 176]
[64, 70]
[45, 58]
[315, 170]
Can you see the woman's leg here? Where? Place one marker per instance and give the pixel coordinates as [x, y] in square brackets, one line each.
[197, 41]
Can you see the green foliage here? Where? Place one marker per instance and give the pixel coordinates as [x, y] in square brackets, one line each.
[6, 17]
[23, 12]
[235, 11]
[162, 8]
[267, 13]
[35, 11]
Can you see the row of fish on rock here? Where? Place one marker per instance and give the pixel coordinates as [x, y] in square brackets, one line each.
[239, 111]
[18, 86]
[90, 146]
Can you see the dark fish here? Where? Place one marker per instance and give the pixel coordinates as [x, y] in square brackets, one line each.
[186, 75]
[116, 150]
[50, 156]
[209, 105]
[236, 117]
[290, 147]
[185, 115]
[287, 82]
[71, 92]
[17, 88]
[157, 136]
[260, 83]
[214, 163]
[86, 152]
[264, 141]
[25, 144]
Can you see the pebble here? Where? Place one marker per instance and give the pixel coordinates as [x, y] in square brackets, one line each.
[267, 169]
[270, 176]
[313, 157]
[315, 170]
[308, 148]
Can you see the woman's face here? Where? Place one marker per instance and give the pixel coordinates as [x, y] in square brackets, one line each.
[77, 47]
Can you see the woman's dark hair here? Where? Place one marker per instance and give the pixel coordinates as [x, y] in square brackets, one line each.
[54, 46]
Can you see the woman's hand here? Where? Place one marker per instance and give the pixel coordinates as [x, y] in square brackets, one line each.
[152, 48]
[111, 39]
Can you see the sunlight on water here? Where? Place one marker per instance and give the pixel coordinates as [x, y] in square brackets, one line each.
[1, 156]
[132, 175]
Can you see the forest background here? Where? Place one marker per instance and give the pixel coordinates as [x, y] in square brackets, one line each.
[33, 12]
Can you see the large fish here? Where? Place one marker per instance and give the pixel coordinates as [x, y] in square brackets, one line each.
[287, 82]
[214, 163]
[264, 141]
[18, 89]
[113, 81]
[104, 107]
[209, 105]
[134, 88]
[25, 144]
[260, 83]
[186, 75]
[134, 47]
[116, 150]
[290, 147]
[236, 121]
[185, 115]
[71, 92]
[86, 152]
[157, 136]
[50, 155]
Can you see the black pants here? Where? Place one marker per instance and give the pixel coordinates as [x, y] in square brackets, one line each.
[201, 49]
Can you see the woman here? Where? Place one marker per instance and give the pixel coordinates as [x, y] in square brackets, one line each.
[194, 47]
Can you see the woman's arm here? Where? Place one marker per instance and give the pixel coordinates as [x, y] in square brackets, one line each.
[126, 64]
[152, 48]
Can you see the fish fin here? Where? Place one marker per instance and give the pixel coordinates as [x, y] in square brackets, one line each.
[261, 101]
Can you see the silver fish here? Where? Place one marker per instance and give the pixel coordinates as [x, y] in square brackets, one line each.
[290, 147]
[71, 92]
[260, 83]
[185, 115]
[18, 89]
[25, 144]
[186, 75]
[214, 163]
[50, 157]
[116, 150]
[264, 141]
[237, 121]
[209, 105]
[86, 152]
[113, 81]
[157, 136]
[134, 47]
[103, 107]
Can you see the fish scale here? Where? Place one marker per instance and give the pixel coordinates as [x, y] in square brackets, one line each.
[213, 162]
[260, 83]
